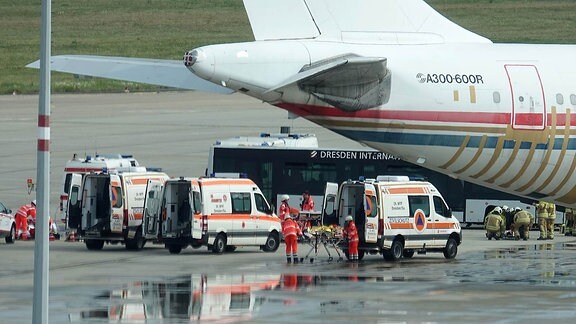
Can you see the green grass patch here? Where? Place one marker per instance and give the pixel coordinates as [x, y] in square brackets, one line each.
[167, 28]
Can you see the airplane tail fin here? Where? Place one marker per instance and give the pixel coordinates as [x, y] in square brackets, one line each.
[369, 21]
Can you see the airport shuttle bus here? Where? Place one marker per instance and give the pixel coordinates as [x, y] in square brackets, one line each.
[290, 166]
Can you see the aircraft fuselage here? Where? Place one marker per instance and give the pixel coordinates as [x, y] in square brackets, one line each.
[492, 114]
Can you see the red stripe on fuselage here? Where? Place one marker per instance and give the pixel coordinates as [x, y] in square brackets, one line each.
[496, 118]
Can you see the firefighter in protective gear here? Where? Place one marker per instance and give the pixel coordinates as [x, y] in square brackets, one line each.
[22, 215]
[542, 213]
[570, 222]
[493, 224]
[523, 220]
[284, 209]
[351, 234]
[550, 221]
[291, 232]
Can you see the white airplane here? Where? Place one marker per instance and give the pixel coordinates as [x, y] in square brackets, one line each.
[399, 77]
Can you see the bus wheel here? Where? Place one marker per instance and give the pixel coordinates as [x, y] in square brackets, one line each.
[219, 244]
[395, 252]
[451, 249]
[408, 254]
[174, 248]
[272, 243]
[94, 244]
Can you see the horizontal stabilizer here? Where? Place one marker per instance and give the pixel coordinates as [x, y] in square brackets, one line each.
[347, 82]
[168, 73]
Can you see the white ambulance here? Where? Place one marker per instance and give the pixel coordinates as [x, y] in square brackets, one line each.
[76, 168]
[394, 216]
[219, 213]
[110, 208]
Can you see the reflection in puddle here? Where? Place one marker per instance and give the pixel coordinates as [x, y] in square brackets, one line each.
[526, 279]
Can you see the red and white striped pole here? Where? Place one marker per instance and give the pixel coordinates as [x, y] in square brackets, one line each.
[41, 256]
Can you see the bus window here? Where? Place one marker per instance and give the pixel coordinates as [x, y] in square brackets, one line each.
[241, 202]
[419, 202]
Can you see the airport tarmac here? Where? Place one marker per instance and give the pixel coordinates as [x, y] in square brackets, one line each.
[171, 130]
[489, 281]
[497, 281]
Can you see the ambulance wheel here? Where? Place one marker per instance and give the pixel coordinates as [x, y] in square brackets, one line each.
[451, 249]
[272, 243]
[219, 244]
[360, 255]
[395, 252]
[174, 248]
[12, 237]
[408, 254]
[230, 248]
[137, 243]
[94, 244]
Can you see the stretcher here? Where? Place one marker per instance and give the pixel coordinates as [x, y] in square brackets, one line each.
[323, 239]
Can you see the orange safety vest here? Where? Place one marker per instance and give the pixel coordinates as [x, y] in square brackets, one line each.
[290, 227]
[351, 232]
[308, 205]
[26, 210]
[284, 210]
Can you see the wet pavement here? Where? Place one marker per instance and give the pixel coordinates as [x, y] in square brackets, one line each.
[529, 284]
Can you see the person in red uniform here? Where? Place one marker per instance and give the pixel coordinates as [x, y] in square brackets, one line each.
[307, 202]
[351, 233]
[284, 207]
[291, 231]
[22, 215]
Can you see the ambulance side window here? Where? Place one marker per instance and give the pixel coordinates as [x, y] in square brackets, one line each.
[419, 202]
[261, 204]
[241, 203]
[440, 207]
[197, 202]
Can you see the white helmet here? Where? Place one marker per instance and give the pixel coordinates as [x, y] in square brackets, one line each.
[505, 208]
[284, 197]
[34, 202]
[288, 216]
[349, 218]
[517, 209]
[498, 210]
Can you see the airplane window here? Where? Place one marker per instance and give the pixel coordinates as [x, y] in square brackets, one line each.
[560, 99]
[573, 99]
[496, 97]
[521, 99]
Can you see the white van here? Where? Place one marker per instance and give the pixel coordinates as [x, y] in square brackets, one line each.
[216, 212]
[394, 216]
[110, 208]
[76, 168]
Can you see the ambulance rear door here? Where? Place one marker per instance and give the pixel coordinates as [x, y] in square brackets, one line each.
[152, 201]
[330, 204]
[73, 207]
[196, 210]
[371, 212]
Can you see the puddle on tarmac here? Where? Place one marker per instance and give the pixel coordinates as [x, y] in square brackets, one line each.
[531, 283]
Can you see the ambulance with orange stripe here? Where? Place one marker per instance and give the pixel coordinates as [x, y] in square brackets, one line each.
[110, 208]
[394, 216]
[220, 213]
